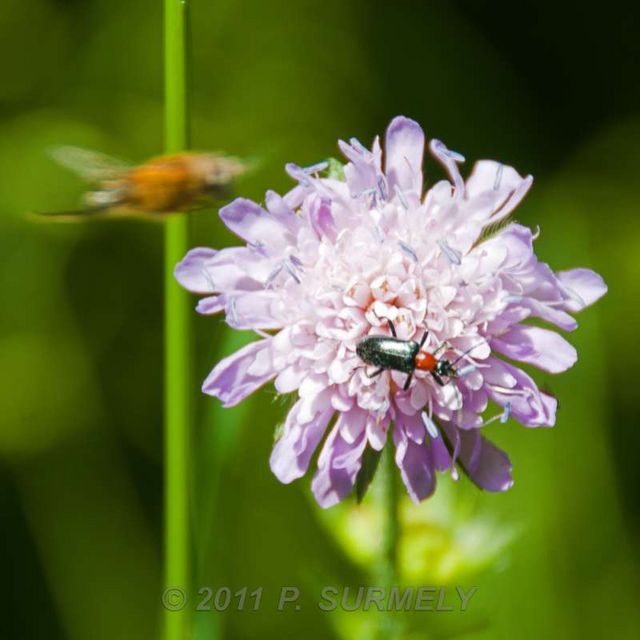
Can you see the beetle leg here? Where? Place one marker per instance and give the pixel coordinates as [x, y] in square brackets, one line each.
[377, 372]
[392, 328]
[424, 338]
[437, 378]
[408, 382]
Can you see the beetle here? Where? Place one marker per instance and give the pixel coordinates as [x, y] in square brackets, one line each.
[392, 353]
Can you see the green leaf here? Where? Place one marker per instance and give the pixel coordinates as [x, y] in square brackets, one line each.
[370, 460]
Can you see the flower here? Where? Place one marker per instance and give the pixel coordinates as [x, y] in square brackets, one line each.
[339, 257]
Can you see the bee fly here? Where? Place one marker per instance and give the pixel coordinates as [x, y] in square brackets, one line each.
[392, 353]
[177, 182]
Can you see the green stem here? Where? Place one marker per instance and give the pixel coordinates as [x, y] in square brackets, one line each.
[388, 578]
[391, 528]
[177, 331]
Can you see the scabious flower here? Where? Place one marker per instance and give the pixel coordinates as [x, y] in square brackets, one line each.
[336, 259]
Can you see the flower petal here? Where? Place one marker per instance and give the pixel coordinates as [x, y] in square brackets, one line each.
[449, 160]
[486, 465]
[252, 223]
[211, 304]
[281, 211]
[338, 464]
[551, 314]
[489, 175]
[191, 271]
[584, 286]
[518, 241]
[416, 464]
[363, 169]
[234, 268]
[508, 384]
[290, 378]
[291, 454]
[321, 218]
[231, 381]
[252, 310]
[404, 149]
[503, 182]
[541, 347]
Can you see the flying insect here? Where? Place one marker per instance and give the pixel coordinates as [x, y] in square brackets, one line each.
[165, 184]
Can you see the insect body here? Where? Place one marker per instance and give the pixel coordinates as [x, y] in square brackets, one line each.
[406, 356]
[177, 182]
[389, 353]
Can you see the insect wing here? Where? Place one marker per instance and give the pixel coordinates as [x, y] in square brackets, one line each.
[92, 166]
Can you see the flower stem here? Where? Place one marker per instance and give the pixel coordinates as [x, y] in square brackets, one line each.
[177, 331]
[389, 628]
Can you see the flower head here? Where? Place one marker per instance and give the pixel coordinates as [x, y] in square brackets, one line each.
[340, 259]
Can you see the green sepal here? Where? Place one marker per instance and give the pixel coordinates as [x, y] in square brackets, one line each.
[278, 432]
[335, 170]
[370, 460]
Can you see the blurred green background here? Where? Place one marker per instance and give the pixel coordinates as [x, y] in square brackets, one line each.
[548, 88]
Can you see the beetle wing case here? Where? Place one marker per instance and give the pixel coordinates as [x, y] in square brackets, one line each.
[389, 353]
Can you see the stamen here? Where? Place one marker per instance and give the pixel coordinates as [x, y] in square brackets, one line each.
[489, 421]
[408, 250]
[258, 246]
[555, 303]
[233, 312]
[574, 296]
[297, 262]
[503, 417]
[524, 393]
[316, 168]
[292, 272]
[470, 368]
[365, 192]
[272, 276]
[401, 197]
[382, 187]
[452, 255]
[498, 180]
[379, 233]
[208, 278]
[515, 299]
[430, 425]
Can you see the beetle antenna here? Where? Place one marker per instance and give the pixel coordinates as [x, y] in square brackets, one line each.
[464, 353]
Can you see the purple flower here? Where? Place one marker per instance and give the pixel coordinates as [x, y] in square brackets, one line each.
[336, 259]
